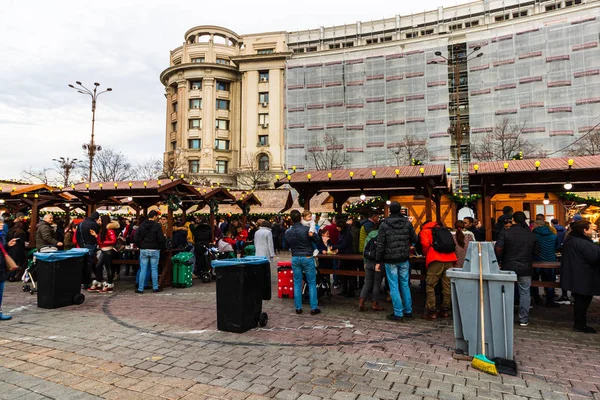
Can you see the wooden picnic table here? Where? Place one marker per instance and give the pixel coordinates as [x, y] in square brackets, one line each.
[165, 266]
[419, 260]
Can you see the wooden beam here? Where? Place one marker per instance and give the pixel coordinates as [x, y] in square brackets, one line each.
[486, 201]
[33, 222]
[438, 208]
[169, 222]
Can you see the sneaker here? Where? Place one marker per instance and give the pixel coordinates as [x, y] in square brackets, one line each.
[298, 311]
[315, 311]
[564, 301]
[157, 290]
[4, 317]
[139, 291]
[408, 315]
[585, 329]
[524, 324]
[96, 287]
[108, 288]
[394, 317]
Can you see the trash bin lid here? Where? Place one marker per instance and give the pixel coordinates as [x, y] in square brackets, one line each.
[184, 256]
[232, 262]
[61, 255]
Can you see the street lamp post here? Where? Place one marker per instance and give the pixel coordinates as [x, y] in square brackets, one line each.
[66, 165]
[91, 147]
[458, 129]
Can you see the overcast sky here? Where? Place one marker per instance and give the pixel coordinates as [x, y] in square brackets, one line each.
[45, 45]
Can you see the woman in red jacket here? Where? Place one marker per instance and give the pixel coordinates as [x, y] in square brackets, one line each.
[107, 238]
[437, 263]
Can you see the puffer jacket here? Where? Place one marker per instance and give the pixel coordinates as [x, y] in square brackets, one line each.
[45, 235]
[202, 234]
[579, 265]
[560, 235]
[547, 243]
[516, 248]
[396, 235]
[366, 228]
[149, 236]
[429, 252]
[111, 237]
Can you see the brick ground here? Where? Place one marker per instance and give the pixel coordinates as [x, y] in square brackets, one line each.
[166, 346]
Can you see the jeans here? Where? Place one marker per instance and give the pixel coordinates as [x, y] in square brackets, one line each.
[436, 271]
[399, 275]
[1, 294]
[148, 256]
[305, 265]
[372, 281]
[89, 265]
[524, 285]
[582, 303]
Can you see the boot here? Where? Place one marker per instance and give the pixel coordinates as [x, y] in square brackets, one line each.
[445, 313]
[430, 315]
[361, 304]
[375, 306]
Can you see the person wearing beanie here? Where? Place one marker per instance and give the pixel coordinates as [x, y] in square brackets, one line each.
[85, 239]
[395, 237]
[150, 240]
[579, 271]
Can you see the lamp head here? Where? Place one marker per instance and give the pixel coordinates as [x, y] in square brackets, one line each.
[438, 53]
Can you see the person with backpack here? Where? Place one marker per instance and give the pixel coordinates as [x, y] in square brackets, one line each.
[439, 249]
[85, 239]
[373, 277]
[395, 237]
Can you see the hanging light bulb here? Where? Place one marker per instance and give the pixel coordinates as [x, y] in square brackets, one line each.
[388, 202]
[363, 197]
[568, 185]
[546, 199]
[130, 198]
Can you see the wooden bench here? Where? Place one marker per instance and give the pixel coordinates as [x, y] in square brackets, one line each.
[420, 260]
[164, 265]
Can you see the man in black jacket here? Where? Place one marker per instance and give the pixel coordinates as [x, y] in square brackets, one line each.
[395, 237]
[150, 239]
[88, 241]
[515, 249]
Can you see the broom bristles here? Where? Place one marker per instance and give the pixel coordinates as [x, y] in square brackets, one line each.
[483, 364]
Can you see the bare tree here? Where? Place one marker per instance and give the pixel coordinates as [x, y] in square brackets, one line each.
[409, 149]
[43, 175]
[110, 165]
[253, 175]
[587, 145]
[327, 154]
[505, 141]
[65, 167]
[150, 168]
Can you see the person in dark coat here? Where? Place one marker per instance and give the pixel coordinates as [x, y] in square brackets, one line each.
[345, 245]
[515, 249]
[202, 238]
[17, 251]
[580, 271]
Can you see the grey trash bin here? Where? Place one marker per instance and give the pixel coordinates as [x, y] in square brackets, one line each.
[465, 303]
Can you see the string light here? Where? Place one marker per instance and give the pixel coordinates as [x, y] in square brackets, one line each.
[329, 175]
[537, 165]
[397, 172]
[570, 162]
[505, 166]
[546, 199]
[476, 168]
[309, 176]
[422, 170]
[351, 174]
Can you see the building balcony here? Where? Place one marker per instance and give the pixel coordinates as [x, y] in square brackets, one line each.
[194, 133]
[195, 113]
[174, 116]
[222, 94]
[174, 97]
[222, 133]
[173, 136]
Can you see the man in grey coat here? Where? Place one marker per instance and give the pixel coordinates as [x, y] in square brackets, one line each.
[263, 240]
[45, 235]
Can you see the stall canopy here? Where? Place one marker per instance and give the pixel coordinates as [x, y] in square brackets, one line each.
[428, 180]
[531, 176]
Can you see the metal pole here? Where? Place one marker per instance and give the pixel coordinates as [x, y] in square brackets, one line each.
[457, 124]
[92, 149]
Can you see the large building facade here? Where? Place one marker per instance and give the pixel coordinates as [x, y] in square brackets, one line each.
[437, 87]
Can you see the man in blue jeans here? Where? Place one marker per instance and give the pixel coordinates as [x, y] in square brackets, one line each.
[150, 239]
[300, 242]
[395, 237]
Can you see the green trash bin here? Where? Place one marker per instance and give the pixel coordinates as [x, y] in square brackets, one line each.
[183, 266]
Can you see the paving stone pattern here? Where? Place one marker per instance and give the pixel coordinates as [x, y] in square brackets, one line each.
[166, 346]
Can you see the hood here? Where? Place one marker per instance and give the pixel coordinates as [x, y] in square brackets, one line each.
[560, 228]
[543, 230]
[113, 225]
[397, 221]
[430, 225]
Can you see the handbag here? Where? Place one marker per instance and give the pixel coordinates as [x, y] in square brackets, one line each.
[11, 265]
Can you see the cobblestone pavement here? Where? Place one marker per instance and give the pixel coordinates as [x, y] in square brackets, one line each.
[166, 346]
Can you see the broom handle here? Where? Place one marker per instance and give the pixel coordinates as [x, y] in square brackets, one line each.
[481, 313]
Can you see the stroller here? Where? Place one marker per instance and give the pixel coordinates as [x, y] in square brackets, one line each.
[323, 286]
[28, 279]
[204, 256]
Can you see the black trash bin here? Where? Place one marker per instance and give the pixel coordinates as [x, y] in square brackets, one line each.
[59, 277]
[242, 285]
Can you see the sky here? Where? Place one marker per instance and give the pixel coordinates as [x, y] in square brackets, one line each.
[46, 45]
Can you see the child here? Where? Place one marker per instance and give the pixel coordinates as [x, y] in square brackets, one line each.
[226, 244]
[307, 220]
[241, 238]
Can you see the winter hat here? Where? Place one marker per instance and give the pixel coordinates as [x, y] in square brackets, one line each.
[19, 215]
[577, 217]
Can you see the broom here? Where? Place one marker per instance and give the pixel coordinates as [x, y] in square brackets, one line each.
[480, 361]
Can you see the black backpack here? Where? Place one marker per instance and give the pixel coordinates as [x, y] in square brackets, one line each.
[370, 252]
[443, 242]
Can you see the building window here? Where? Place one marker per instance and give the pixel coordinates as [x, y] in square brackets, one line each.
[173, 146]
[263, 162]
[310, 49]
[520, 14]
[499, 18]
[195, 104]
[222, 61]
[222, 104]
[349, 44]
[427, 32]
[263, 119]
[263, 140]
[223, 85]
[334, 46]
[263, 97]
[197, 60]
[221, 144]
[265, 51]
[222, 124]
[373, 40]
[410, 35]
[195, 85]
[299, 50]
[194, 143]
[387, 39]
[222, 166]
[194, 166]
[174, 126]
[263, 76]
[471, 23]
[195, 123]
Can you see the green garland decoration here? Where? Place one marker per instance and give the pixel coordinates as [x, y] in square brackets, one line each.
[416, 162]
[462, 199]
[592, 201]
[301, 201]
[173, 202]
[214, 206]
[354, 207]
[518, 156]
